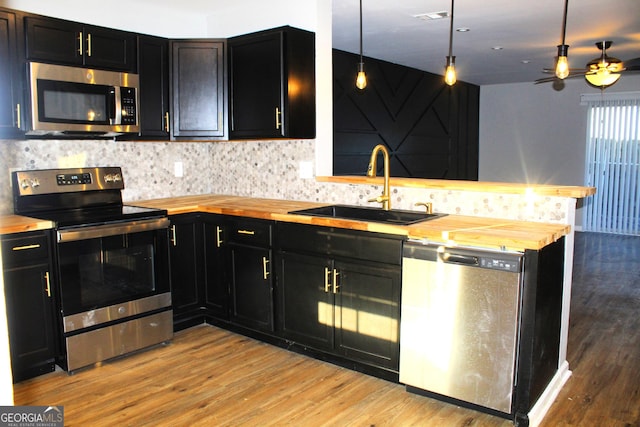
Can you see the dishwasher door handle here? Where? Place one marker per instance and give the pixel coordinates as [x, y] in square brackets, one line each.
[458, 258]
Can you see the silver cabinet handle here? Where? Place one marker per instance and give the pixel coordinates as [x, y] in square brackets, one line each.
[265, 273]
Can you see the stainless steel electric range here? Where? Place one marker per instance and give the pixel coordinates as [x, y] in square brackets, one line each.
[112, 262]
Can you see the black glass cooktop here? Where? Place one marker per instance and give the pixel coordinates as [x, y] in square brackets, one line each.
[97, 215]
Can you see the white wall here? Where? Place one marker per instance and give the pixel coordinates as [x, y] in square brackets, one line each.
[535, 134]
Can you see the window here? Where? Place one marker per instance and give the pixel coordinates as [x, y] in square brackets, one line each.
[613, 163]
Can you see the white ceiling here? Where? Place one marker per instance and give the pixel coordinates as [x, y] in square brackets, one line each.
[526, 30]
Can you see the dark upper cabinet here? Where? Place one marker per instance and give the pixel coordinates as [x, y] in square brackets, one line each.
[272, 84]
[198, 89]
[11, 96]
[71, 43]
[30, 300]
[153, 69]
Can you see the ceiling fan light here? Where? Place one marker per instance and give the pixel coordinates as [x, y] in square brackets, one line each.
[562, 64]
[602, 78]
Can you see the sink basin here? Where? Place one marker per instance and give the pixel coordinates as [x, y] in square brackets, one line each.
[361, 213]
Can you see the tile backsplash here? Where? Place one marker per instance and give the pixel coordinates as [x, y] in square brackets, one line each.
[269, 169]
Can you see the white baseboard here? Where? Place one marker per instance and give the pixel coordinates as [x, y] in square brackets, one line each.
[548, 396]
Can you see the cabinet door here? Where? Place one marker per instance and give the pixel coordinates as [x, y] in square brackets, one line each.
[110, 49]
[54, 40]
[71, 43]
[30, 319]
[11, 101]
[256, 86]
[216, 291]
[198, 89]
[251, 287]
[272, 90]
[306, 302]
[368, 313]
[186, 289]
[29, 293]
[153, 68]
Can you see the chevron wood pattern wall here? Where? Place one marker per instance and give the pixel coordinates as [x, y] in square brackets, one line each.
[429, 128]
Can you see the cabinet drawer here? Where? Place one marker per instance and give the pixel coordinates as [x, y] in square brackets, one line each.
[362, 245]
[253, 232]
[21, 249]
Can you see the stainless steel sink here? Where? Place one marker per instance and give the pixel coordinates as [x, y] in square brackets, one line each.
[362, 213]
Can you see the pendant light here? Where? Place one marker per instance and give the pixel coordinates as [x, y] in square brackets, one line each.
[562, 65]
[450, 69]
[361, 79]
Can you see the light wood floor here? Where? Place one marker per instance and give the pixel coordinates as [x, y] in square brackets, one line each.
[208, 376]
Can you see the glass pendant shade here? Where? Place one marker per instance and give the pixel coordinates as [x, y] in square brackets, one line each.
[361, 79]
[562, 65]
[450, 71]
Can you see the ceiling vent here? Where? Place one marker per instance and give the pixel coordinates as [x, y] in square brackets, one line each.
[432, 15]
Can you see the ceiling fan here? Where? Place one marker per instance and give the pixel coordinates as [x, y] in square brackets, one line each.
[600, 72]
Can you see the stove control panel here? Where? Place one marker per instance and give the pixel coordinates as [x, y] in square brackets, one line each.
[73, 178]
[51, 181]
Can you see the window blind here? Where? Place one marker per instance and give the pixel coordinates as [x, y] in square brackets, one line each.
[613, 164]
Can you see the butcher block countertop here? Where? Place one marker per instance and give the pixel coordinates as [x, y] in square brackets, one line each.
[450, 229]
[575, 192]
[18, 224]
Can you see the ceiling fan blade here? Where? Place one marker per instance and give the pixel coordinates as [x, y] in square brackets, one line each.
[554, 78]
[571, 70]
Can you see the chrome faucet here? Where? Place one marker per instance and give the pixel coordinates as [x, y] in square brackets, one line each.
[385, 197]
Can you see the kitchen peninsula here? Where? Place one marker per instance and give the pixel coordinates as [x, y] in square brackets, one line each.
[452, 229]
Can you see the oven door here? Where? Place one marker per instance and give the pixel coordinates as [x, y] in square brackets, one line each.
[105, 267]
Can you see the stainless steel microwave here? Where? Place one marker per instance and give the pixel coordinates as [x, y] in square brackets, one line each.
[74, 101]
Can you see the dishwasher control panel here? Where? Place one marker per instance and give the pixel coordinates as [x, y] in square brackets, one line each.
[500, 264]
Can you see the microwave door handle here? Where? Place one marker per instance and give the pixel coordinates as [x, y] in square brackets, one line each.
[111, 104]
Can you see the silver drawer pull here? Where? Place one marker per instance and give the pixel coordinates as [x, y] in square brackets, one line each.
[248, 232]
[25, 247]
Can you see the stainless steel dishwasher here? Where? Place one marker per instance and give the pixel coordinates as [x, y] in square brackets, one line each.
[459, 322]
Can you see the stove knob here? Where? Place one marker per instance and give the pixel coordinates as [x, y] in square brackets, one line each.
[108, 178]
[24, 184]
[35, 183]
[117, 177]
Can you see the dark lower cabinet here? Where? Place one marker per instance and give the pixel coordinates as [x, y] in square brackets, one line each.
[367, 313]
[305, 299]
[186, 270]
[30, 300]
[198, 269]
[339, 291]
[250, 276]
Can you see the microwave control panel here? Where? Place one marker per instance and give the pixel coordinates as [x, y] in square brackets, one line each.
[128, 105]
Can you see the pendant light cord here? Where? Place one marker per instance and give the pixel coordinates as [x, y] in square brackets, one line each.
[361, 31]
[450, 31]
[564, 20]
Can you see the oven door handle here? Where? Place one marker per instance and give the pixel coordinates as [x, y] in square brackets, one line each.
[97, 231]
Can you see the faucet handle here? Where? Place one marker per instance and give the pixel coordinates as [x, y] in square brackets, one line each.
[428, 206]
